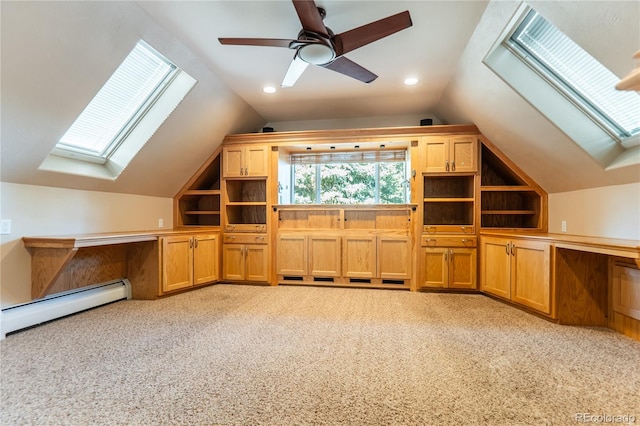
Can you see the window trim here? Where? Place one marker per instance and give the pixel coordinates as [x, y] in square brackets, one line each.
[555, 106]
[318, 176]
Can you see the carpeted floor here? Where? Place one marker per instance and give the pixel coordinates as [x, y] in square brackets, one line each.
[243, 355]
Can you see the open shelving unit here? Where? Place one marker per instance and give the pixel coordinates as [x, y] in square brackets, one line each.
[245, 204]
[508, 200]
[198, 203]
[448, 203]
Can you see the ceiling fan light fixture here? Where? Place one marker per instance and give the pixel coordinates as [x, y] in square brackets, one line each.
[316, 54]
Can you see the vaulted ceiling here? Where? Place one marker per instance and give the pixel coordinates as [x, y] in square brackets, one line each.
[56, 55]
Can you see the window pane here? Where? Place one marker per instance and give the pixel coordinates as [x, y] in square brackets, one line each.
[393, 187]
[348, 183]
[576, 70]
[304, 184]
[118, 102]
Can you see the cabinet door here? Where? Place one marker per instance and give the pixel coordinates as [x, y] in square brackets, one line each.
[462, 268]
[177, 261]
[359, 257]
[436, 155]
[463, 154]
[255, 160]
[433, 267]
[324, 256]
[205, 259]
[291, 254]
[256, 262]
[232, 161]
[233, 261]
[394, 258]
[530, 274]
[495, 267]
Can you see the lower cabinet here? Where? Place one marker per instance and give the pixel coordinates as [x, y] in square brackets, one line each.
[448, 263]
[245, 262]
[313, 254]
[189, 260]
[518, 270]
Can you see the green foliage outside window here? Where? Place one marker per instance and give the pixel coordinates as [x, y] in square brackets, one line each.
[350, 183]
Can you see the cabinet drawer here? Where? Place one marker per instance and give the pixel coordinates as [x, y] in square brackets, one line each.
[428, 241]
[245, 239]
[243, 227]
[449, 229]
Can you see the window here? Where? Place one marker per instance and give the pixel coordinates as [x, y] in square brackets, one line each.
[367, 177]
[122, 116]
[569, 87]
[576, 73]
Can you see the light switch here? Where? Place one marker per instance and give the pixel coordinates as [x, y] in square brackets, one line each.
[5, 226]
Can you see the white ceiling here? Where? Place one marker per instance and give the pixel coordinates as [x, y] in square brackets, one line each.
[429, 50]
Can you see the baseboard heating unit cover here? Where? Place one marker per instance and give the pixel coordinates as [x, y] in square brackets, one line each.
[58, 305]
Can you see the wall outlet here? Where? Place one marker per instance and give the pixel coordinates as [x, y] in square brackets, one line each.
[564, 226]
[160, 223]
[5, 226]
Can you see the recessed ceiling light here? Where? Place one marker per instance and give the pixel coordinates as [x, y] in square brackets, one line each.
[269, 89]
[410, 81]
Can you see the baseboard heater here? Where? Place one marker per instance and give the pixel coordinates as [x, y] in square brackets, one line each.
[59, 305]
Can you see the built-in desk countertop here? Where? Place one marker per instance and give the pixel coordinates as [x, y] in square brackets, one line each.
[64, 262]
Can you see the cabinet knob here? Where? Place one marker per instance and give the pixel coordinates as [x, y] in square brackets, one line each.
[446, 166]
[453, 166]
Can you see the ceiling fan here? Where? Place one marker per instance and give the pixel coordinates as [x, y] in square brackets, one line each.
[318, 45]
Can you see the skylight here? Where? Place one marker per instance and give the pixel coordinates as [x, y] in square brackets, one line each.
[125, 113]
[118, 106]
[577, 74]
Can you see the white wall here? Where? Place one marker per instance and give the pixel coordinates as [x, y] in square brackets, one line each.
[610, 211]
[39, 210]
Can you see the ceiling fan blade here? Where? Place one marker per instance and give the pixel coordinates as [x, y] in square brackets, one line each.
[275, 42]
[294, 72]
[310, 16]
[350, 40]
[351, 69]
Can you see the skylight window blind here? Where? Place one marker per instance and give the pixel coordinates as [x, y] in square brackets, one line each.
[586, 79]
[120, 103]
[348, 157]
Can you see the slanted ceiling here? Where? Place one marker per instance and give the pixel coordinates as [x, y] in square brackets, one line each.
[56, 55]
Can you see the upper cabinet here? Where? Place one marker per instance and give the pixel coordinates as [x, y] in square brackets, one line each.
[454, 154]
[244, 161]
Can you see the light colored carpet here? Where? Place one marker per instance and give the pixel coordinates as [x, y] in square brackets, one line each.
[240, 355]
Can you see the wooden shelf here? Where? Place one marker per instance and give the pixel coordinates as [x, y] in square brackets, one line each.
[448, 200]
[246, 203]
[505, 188]
[202, 212]
[509, 212]
[202, 192]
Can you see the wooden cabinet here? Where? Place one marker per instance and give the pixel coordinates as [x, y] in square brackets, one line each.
[189, 260]
[518, 270]
[448, 262]
[359, 256]
[457, 154]
[394, 257]
[299, 255]
[244, 161]
[324, 255]
[245, 262]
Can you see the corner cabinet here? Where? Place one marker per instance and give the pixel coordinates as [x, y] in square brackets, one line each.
[189, 260]
[517, 269]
